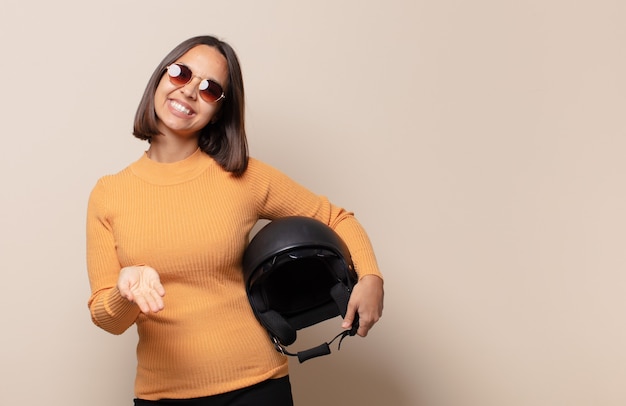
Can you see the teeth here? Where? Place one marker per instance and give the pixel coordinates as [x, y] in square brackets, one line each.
[180, 107]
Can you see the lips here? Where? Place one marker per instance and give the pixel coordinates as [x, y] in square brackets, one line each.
[181, 108]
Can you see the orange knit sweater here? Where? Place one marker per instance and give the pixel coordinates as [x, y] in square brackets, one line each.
[190, 220]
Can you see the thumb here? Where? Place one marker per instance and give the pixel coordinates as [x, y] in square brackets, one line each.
[123, 286]
[349, 318]
[126, 293]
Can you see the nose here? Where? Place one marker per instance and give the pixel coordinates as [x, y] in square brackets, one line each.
[191, 88]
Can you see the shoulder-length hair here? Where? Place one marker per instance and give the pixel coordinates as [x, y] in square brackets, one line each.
[225, 139]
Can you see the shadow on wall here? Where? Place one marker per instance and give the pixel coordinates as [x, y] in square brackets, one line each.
[350, 376]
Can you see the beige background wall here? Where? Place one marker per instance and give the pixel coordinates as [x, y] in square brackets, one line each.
[481, 144]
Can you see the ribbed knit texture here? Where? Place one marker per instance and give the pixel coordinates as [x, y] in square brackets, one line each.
[190, 220]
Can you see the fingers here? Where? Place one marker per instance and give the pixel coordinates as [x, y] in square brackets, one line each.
[365, 324]
[366, 321]
[150, 301]
[156, 294]
[142, 286]
[366, 300]
[149, 298]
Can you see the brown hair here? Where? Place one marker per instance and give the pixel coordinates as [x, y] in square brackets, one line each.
[225, 139]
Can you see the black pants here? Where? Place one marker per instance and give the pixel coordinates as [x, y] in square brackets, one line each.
[273, 392]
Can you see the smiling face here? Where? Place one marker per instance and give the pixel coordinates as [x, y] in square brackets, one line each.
[180, 110]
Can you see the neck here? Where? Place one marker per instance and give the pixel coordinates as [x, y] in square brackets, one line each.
[167, 149]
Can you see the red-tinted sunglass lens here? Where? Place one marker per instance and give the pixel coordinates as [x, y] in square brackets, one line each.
[211, 91]
[179, 74]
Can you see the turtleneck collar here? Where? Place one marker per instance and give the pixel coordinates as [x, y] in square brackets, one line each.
[159, 173]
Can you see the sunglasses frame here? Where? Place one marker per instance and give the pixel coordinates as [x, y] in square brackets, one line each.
[204, 94]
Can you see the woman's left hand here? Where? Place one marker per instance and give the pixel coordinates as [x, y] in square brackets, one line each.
[366, 300]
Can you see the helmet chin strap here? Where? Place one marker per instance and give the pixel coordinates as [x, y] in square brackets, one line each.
[340, 294]
[320, 350]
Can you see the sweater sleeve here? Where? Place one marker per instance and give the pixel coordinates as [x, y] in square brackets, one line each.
[279, 196]
[109, 310]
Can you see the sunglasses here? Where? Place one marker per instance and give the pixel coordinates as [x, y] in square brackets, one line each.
[210, 90]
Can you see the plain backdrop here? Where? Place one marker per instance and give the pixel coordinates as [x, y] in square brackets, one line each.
[481, 143]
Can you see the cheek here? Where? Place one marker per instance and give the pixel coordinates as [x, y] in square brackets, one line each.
[159, 106]
[161, 92]
[206, 112]
[201, 120]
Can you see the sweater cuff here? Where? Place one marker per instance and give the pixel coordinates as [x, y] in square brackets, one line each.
[365, 264]
[113, 312]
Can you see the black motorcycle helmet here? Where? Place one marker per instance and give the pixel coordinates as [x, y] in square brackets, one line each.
[298, 272]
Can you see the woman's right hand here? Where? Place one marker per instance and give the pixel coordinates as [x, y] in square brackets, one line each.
[142, 285]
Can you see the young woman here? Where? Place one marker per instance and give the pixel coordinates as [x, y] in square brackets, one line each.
[166, 235]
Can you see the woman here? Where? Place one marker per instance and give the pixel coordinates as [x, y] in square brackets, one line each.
[165, 238]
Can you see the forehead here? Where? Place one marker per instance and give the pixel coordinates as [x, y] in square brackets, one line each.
[206, 62]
